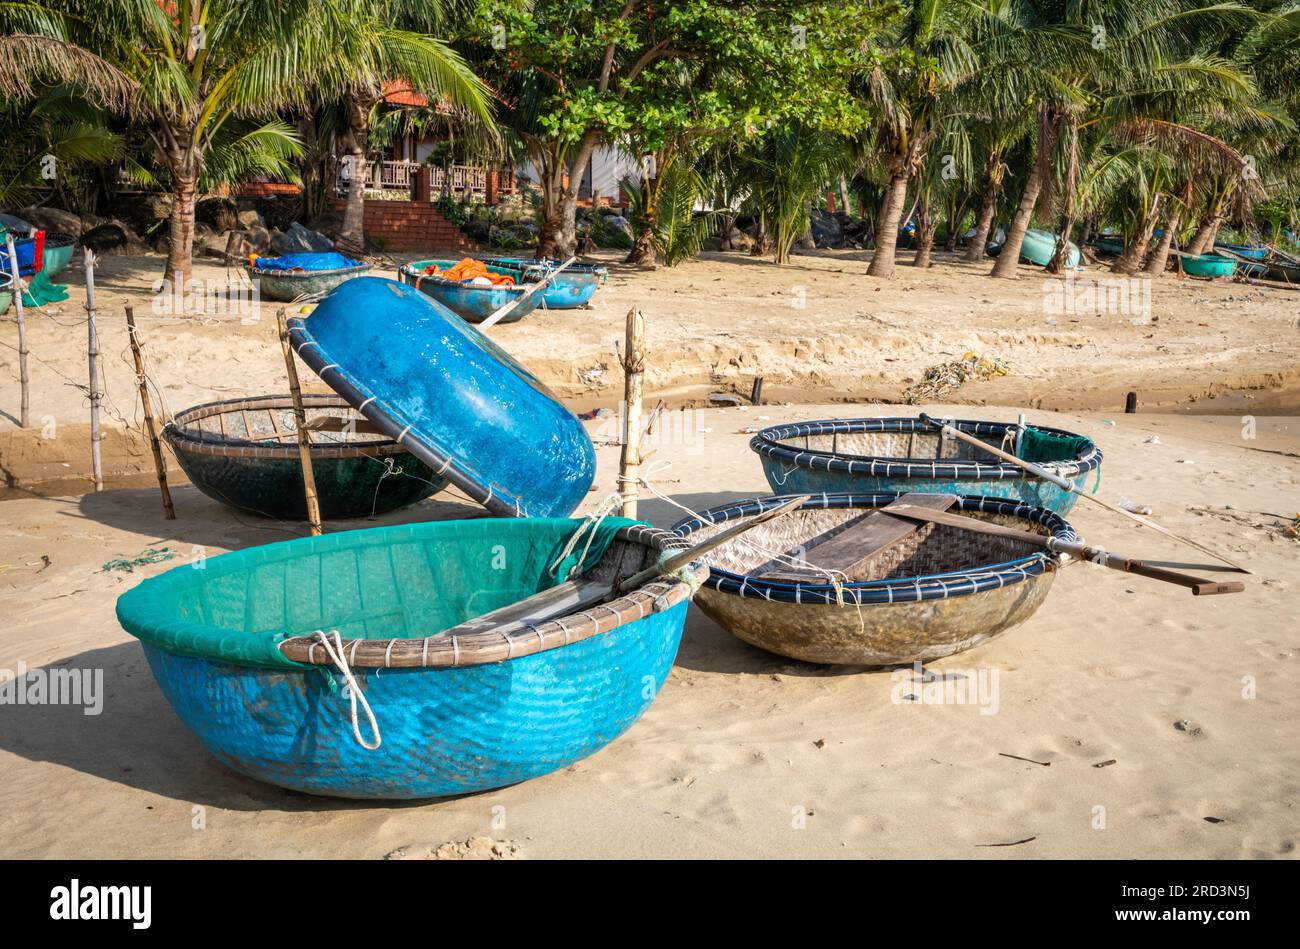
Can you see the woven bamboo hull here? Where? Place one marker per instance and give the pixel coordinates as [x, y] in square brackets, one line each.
[445, 731]
[472, 304]
[345, 487]
[876, 634]
[814, 481]
[235, 453]
[1249, 251]
[291, 285]
[1283, 271]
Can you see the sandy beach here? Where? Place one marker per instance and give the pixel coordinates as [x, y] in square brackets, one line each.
[1127, 719]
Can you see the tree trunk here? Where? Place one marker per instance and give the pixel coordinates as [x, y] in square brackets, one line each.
[1130, 261]
[1159, 258]
[1008, 261]
[180, 244]
[1062, 253]
[975, 250]
[356, 140]
[559, 237]
[1203, 239]
[925, 227]
[891, 212]
[1009, 257]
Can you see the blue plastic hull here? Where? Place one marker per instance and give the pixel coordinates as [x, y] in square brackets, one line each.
[470, 303]
[1249, 251]
[571, 289]
[445, 731]
[453, 398]
[1029, 490]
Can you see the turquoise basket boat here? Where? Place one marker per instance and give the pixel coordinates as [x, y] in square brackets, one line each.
[471, 303]
[59, 249]
[289, 285]
[573, 288]
[452, 397]
[885, 455]
[1039, 246]
[1209, 265]
[234, 649]
[6, 293]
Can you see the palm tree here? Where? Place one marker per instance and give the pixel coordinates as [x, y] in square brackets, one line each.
[908, 102]
[388, 40]
[187, 72]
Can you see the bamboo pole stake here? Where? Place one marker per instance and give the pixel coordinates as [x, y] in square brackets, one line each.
[92, 338]
[300, 422]
[633, 366]
[17, 287]
[160, 466]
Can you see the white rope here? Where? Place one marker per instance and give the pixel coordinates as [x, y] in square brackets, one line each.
[590, 525]
[354, 690]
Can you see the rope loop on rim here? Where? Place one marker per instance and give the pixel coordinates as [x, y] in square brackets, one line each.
[355, 694]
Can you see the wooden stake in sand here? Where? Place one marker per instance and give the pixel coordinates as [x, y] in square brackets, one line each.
[142, 381]
[92, 333]
[300, 421]
[633, 366]
[17, 287]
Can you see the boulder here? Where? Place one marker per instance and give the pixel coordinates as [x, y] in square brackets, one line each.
[215, 246]
[478, 230]
[52, 220]
[250, 219]
[220, 214]
[112, 238]
[616, 222]
[300, 240]
[143, 213]
[827, 230]
[259, 239]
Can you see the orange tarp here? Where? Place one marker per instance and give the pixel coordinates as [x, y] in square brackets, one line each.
[467, 269]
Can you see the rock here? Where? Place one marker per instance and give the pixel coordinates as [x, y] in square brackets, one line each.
[112, 238]
[259, 239]
[300, 240]
[144, 213]
[215, 246]
[735, 240]
[616, 222]
[250, 219]
[478, 230]
[827, 231]
[220, 214]
[52, 220]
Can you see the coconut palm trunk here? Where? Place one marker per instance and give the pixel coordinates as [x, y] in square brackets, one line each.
[183, 163]
[988, 208]
[925, 228]
[1062, 253]
[1203, 239]
[1130, 261]
[1159, 258]
[1008, 261]
[891, 213]
[356, 142]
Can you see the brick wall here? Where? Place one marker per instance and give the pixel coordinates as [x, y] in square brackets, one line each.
[408, 225]
[268, 189]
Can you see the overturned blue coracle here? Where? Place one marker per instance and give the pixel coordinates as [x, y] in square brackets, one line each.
[450, 396]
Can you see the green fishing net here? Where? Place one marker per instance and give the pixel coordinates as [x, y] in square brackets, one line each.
[406, 581]
[40, 291]
[1039, 446]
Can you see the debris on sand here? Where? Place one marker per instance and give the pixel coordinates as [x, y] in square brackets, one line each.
[472, 848]
[945, 377]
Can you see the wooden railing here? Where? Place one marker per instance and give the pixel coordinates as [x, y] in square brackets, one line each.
[456, 179]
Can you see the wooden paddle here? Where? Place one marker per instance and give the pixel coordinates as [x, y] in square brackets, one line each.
[574, 595]
[1068, 485]
[502, 312]
[1198, 586]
